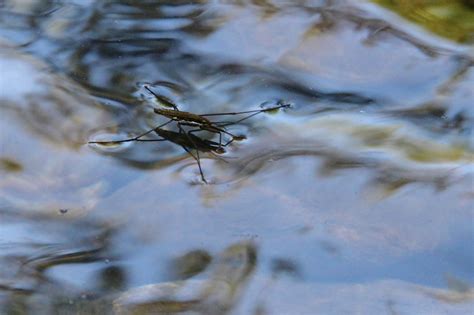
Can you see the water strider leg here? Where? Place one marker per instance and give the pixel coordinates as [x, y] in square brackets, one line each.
[255, 111]
[196, 157]
[251, 112]
[218, 129]
[223, 124]
[191, 132]
[134, 138]
[198, 162]
[151, 140]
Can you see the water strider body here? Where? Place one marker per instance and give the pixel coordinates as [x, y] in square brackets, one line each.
[181, 116]
[202, 123]
[199, 122]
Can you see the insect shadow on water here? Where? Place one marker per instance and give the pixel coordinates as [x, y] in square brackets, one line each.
[187, 138]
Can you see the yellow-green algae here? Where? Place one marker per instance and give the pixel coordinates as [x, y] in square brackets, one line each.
[452, 19]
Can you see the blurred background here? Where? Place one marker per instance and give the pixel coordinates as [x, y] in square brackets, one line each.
[359, 198]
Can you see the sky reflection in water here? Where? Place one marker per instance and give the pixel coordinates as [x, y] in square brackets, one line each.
[359, 197]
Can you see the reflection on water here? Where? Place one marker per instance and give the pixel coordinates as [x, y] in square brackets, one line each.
[190, 264]
[217, 295]
[35, 246]
[359, 196]
[452, 19]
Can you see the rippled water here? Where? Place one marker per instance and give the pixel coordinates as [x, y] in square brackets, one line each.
[359, 198]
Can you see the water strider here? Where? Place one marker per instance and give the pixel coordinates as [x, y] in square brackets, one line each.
[197, 122]
[201, 123]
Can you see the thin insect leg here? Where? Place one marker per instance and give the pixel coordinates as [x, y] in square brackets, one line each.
[228, 142]
[190, 153]
[222, 130]
[233, 138]
[248, 111]
[150, 140]
[239, 113]
[134, 138]
[151, 130]
[207, 127]
[198, 163]
[218, 132]
[197, 158]
[237, 121]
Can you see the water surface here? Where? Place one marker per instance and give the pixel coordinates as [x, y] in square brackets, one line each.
[357, 199]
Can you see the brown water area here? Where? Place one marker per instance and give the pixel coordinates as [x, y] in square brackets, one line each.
[354, 195]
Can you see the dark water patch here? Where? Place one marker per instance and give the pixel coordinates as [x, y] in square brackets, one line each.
[10, 165]
[190, 264]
